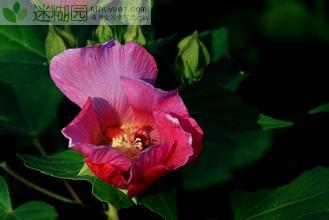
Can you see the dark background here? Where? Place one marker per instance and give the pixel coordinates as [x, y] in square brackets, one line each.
[288, 78]
[288, 68]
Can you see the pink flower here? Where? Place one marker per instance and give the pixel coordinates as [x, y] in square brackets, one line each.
[129, 132]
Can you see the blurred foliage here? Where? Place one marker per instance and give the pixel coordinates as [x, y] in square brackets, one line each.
[289, 20]
[24, 73]
[320, 109]
[293, 20]
[221, 158]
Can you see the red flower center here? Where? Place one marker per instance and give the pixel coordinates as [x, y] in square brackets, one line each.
[130, 140]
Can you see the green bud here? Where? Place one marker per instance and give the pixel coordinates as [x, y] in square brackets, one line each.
[91, 42]
[54, 43]
[104, 32]
[193, 58]
[85, 171]
[134, 33]
[67, 36]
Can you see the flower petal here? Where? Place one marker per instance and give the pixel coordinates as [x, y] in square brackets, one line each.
[108, 173]
[85, 127]
[108, 164]
[86, 137]
[144, 98]
[103, 154]
[147, 179]
[95, 72]
[176, 142]
[173, 152]
[192, 127]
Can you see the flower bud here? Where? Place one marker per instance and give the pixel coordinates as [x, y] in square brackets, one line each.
[135, 33]
[55, 42]
[104, 32]
[192, 59]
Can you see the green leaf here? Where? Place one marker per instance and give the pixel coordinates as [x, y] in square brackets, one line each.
[24, 74]
[321, 109]
[23, 57]
[108, 194]
[9, 15]
[5, 202]
[54, 43]
[67, 165]
[22, 14]
[29, 111]
[220, 159]
[16, 7]
[219, 44]
[307, 197]
[66, 35]
[163, 203]
[268, 123]
[155, 46]
[235, 81]
[35, 210]
[9, 108]
[217, 110]
[38, 108]
[85, 171]
[321, 215]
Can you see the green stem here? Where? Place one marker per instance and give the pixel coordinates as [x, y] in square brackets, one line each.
[39, 146]
[13, 173]
[112, 213]
[72, 192]
[69, 188]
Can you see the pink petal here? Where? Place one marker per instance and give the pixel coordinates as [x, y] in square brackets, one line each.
[95, 72]
[173, 152]
[103, 154]
[108, 173]
[85, 127]
[144, 181]
[176, 142]
[86, 137]
[192, 127]
[145, 99]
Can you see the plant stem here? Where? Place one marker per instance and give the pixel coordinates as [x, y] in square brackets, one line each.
[43, 152]
[72, 192]
[112, 213]
[13, 173]
[39, 146]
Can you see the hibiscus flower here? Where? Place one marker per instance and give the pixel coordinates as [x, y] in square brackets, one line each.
[129, 132]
